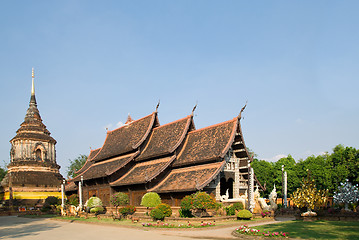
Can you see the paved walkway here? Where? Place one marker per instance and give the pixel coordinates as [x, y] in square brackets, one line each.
[13, 227]
[217, 233]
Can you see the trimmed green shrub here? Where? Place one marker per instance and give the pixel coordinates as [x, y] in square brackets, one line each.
[93, 202]
[244, 214]
[187, 202]
[97, 209]
[52, 201]
[230, 210]
[218, 205]
[185, 213]
[238, 206]
[119, 199]
[150, 199]
[166, 209]
[73, 200]
[203, 201]
[128, 210]
[157, 214]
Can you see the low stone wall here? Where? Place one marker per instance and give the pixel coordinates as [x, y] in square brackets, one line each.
[333, 217]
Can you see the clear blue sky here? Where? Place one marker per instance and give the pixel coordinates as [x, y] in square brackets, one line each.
[296, 62]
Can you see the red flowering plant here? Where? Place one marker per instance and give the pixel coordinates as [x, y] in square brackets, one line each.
[203, 201]
[180, 225]
[244, 229]
[197, 202]
[128, 210]
[266, 213]
[187, 202]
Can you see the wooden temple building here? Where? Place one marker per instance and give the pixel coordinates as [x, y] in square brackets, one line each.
[33, 173]
[173, 160]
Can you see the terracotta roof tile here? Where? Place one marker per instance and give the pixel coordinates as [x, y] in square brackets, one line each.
[166, 138]
[144, 172]
[88, 162]
[33, 136]
[207, 144]
[71, 187]
[126, 138]
[189, 178]
[105, 168]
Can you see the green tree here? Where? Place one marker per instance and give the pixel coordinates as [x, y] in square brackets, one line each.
[119, 199]
[292, 179]
[76, 165]
[345, 164]
[264, 172]
[2, 173]
[320, 170]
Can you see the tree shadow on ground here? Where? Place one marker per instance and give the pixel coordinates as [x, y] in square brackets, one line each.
[22, 228]
[309, 230]
[12, 220]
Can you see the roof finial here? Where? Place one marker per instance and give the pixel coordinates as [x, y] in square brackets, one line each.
[158, 104]
[194, 108]
[33, 85]
[240, 114]
[129, 119]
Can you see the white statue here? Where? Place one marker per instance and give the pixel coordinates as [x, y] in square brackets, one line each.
[225, 197]
[242, 199]
[273, 199]
[260, 200]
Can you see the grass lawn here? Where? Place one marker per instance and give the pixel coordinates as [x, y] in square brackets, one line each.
[316, 230]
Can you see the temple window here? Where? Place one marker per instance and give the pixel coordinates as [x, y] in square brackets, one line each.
[38, 155]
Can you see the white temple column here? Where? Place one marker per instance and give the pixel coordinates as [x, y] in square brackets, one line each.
[63, 194]
[80, 192]
[218, 188]
[236, 181]
[251, 203]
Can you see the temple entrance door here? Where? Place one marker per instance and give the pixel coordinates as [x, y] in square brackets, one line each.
[227, 185]
[230, 187]
[223, 186]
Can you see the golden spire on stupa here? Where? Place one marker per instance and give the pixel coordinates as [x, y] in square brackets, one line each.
[33, 85]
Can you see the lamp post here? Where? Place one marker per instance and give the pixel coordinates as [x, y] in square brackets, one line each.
[282, 185]
[285, 190]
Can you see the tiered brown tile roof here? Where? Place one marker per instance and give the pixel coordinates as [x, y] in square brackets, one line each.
[199, 161]
[189, 178]
[126, 138]
[144, 172]
[33, 128]
[106, 167]
[89, 161]
[207, 144]
[34, 178]
[166, 138]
